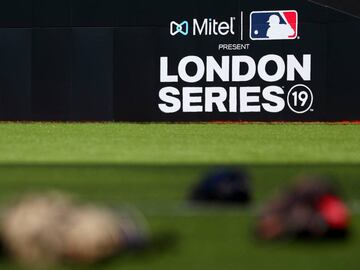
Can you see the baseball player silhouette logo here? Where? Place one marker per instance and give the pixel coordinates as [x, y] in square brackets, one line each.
[273, 25]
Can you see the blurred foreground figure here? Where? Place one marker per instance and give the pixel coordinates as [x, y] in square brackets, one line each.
[223, 186]
[311, 208]
[43, 229]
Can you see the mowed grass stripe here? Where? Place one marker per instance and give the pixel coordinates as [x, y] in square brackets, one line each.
[119, 143]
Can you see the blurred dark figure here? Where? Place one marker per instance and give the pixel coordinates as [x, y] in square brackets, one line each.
[223, 186]
[311, 208]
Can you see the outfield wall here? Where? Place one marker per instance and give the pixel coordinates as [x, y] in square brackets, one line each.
[100, 60]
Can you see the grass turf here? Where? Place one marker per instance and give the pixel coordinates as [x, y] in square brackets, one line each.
[207, 237]
[179, 143]
[153, 166]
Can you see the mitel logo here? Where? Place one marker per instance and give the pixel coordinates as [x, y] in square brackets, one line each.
[206, 27]
[179, 28]
[274, 25]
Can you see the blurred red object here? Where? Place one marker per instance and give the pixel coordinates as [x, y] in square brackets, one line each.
[334, 212]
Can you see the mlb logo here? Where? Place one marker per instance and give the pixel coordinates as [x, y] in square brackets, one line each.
[274, 25]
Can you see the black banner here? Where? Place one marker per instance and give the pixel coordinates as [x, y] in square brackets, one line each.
[196, 60]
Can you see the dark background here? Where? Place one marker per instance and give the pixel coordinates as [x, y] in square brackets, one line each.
[97, 60]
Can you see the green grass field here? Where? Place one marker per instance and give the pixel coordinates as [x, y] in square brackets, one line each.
[153, 167]
[179, 143]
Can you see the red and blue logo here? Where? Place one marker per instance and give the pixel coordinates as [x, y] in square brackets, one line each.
[274, 25]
